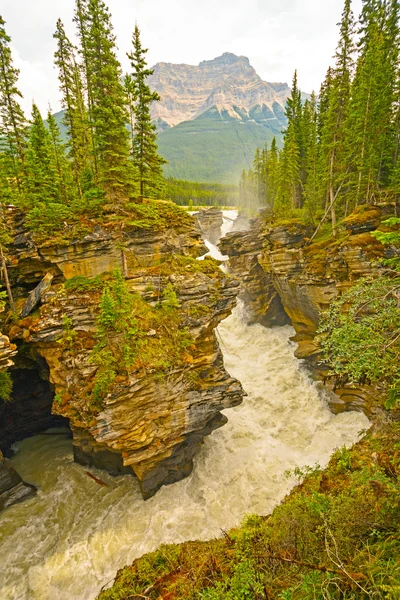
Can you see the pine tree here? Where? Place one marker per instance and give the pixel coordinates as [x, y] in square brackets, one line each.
[337, 97]
[107, 105]
[75, 115]
[42, 182]
[12, 119]
[63, 175]
[312, 188]
[371, 115]
[82, 21]
[272, 169]
[144, 141]
[290, 191]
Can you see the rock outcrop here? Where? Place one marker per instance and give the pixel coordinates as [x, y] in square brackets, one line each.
[280, 271]
[209, 222]
[153, 419]
[12, 488]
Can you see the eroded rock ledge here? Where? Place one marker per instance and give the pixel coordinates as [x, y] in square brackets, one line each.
[284, 276]
[153, 421]
[209, 222]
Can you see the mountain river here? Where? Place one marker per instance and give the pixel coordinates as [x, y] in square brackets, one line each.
[69, 541]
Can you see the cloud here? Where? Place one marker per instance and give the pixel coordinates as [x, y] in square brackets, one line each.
[276, 36]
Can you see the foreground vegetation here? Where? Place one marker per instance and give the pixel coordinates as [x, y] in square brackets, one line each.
[336, 536]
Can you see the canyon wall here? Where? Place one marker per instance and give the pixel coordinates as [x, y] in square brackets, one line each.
[154, 418]
[285, 278]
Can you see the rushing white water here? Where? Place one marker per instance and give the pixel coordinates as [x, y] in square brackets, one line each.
[72, 537]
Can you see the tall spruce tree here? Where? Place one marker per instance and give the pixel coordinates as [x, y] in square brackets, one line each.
[75, 116]
[42, 182]
[107, 101]
[12, 119]
[370, 124]
[310, 129]
[63, 176]
[290, 189]
[144, 140]
[333, 154]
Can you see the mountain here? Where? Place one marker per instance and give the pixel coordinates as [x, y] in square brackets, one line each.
[212, 117]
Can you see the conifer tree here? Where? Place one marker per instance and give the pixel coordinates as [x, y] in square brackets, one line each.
[144, 141]
[290, 189]
[107, 105]
[337, 97]
[42, 182]
[312, 187]
[63, 175]
[75, 115]
[370, 124]
[12, 118]
[272, 171]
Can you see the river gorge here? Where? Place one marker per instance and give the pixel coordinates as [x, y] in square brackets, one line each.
[69, 540]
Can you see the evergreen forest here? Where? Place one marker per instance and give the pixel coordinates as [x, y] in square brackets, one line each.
[101, 164]
[342, 145]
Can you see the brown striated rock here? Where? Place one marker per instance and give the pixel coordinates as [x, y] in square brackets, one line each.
[7, 352]
[209, 222]
[12, 488]
[152, 421]
[257, 290]
[278, 261]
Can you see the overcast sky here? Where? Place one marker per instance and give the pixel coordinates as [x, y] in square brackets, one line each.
[277, 36]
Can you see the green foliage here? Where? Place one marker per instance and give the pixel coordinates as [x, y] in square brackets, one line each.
[335, 536]
[187, 193]
[390, 236]
[79, 283]
[5, 386]
[360, 335]
[132, 334]
[3, 297]
[341, 151]
[12, 124]
[147, 161]
[69, 335]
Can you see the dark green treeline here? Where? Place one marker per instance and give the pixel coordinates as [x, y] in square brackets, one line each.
[341, 149]
[101, 165]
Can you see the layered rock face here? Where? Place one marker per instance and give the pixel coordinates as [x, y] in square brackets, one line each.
[279, 269]
[227, 82]
[152, 421]
[209, 222]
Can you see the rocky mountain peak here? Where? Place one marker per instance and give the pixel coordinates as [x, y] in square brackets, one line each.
[227, 82]
[227, 58]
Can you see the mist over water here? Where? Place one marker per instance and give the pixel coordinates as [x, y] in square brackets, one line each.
[71, 538]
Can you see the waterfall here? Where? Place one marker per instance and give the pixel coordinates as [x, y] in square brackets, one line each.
[72, 537]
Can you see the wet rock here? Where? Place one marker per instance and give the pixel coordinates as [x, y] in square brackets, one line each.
[209, 222]
[12, 488]
[36, 295]
[262, 301]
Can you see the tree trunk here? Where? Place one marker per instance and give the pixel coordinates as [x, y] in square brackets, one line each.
[6, 279]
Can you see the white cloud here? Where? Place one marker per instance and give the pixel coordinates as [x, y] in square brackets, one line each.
[277, 36]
